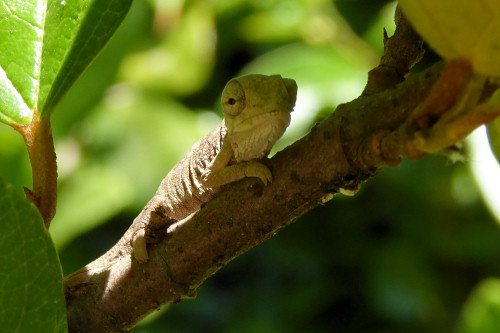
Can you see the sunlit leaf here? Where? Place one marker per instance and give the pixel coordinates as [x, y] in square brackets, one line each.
[460, 29]
[31, 292]
[45, 47]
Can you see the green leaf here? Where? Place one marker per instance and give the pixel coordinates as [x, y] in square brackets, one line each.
[481, 313]
[45, 46]
[459, 29]
[31, 292]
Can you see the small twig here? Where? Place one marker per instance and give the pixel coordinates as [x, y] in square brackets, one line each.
[401, 52]
[38, 138]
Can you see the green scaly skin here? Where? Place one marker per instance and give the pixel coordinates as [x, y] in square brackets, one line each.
[256, 114]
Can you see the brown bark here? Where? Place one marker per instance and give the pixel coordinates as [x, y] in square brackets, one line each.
[401, 52]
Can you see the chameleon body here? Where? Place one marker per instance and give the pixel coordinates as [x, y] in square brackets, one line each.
[256, 114]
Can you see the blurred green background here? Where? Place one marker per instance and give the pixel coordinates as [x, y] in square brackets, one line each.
[403, 255]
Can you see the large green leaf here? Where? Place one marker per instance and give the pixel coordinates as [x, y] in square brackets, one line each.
[46, 45]
[31, 292]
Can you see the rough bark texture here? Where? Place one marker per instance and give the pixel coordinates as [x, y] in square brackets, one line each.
[401, 52]
[360, 138]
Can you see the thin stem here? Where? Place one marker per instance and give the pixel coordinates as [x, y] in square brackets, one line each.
[38, 138]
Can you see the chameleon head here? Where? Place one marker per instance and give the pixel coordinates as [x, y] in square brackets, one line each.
[257, 112]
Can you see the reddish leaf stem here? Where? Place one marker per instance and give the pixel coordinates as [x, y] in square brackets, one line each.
[38, 138]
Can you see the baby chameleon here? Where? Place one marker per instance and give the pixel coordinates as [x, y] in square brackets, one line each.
[256, 114]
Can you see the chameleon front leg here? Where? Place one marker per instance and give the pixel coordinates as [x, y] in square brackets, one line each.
[219, 173]
[236, 172]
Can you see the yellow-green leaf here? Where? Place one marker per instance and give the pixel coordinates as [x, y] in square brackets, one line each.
[459, 29]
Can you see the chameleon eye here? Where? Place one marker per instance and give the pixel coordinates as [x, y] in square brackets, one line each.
[233, 98]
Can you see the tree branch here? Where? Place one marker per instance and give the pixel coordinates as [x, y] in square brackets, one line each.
[115, 292]
[401, 52]
[426, 113]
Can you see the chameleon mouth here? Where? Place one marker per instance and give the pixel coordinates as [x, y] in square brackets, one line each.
[275, 118]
